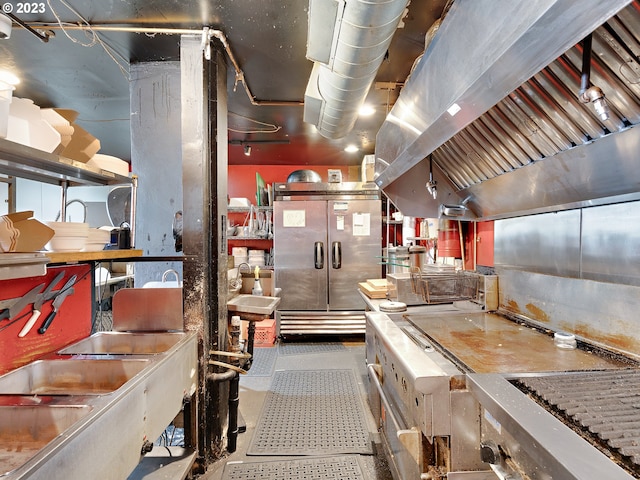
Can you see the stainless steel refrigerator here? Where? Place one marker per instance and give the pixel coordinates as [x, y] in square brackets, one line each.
[328, 238]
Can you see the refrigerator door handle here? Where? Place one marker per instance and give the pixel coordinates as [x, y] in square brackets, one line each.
[336, 251]
[318, 255]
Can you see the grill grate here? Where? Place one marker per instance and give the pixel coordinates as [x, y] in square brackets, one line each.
[605, 404]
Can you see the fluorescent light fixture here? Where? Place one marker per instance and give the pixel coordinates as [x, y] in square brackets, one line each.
[351, 148]
[366, 110]
[453, 109]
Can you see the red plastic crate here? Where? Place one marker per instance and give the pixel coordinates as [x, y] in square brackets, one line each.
[265, 335]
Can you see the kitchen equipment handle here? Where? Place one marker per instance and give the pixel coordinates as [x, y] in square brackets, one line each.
[47, 322]
[318, 255]
[30, 323]
[336, 254]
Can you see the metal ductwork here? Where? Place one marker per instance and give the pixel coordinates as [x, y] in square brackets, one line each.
[347, 40]
[505, 124]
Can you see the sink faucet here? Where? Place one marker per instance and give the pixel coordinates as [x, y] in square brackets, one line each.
[237, 283]
[76, 200]
[240, 268]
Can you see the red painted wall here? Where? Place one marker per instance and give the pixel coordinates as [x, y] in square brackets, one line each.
[72, 322]
[485, 243]
[241, 182]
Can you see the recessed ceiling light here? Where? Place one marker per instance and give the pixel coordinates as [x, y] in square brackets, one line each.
[351, 148]
[366, 111]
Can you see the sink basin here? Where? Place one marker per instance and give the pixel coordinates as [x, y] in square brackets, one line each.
[256, 304]
[122, 343]
[70, 377]
[24, 430]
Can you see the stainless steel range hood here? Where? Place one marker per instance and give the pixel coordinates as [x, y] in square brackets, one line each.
[522, 141]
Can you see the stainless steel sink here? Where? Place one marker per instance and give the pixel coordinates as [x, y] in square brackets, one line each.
[261, 305]
[26, 429]
[123, 343]
[70, 377]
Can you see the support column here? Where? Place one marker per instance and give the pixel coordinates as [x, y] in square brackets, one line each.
[204, 169]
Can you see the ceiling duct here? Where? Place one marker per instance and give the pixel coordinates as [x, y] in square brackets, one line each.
[347, 40]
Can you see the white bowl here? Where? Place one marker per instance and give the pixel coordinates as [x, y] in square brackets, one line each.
[67, 228]
[94, 246]
[96, 235]
[62, 243]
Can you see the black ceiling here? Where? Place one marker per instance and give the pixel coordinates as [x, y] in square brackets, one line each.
[267, 37]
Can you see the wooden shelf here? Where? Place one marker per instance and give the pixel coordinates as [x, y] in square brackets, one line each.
[249, 239]
[97, 256]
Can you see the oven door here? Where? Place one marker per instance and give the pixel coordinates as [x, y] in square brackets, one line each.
[402, 442]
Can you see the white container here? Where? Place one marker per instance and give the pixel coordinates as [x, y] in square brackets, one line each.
[68, 236]
[27, 127]
[238, 259]
[6, 91]
[565, 340]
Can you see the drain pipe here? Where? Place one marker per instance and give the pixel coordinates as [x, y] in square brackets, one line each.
[232, 375]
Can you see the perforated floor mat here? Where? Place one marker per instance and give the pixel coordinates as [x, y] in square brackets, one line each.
[297, 348]
[264, 359]
[312, 412]
[325, 468]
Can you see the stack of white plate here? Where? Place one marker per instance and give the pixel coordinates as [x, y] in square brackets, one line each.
[256, 258]
[68, 237]
[239, 255]
[97, 239]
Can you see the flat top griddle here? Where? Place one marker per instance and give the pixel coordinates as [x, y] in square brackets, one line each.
[490, 343]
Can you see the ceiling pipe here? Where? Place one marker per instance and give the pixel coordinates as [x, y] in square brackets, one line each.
[209, 32]
[348, 42]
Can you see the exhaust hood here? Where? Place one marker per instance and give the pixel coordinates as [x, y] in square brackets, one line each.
[503, 121]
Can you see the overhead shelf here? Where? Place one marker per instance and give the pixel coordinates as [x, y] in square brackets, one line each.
[26, 162]
[246, 209]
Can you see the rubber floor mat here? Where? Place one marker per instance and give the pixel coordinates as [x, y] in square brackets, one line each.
[325, 468]
[302, 348]
[264, 359]
[312, 412]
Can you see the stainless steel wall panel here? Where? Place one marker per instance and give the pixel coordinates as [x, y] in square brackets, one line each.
[611, 243]
[548, 243]
[601, 312]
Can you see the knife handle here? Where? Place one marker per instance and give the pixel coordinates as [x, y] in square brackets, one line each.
[47, 322]
[30, 323]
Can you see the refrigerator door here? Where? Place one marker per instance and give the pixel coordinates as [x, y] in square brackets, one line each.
[355, 233]
[300, 254]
